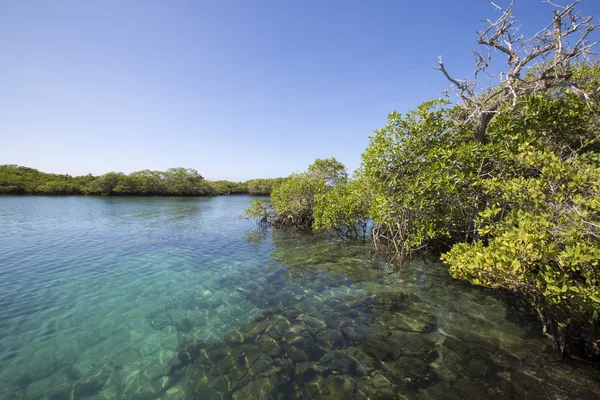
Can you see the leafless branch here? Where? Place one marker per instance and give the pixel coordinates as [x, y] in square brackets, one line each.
[550, 53]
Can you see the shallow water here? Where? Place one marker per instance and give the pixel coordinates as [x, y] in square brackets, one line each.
[175, 298]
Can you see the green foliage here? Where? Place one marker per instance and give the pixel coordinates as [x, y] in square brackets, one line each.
[172, 182]
[344, 209]
[520, 212]
[262, 187]
[422, 170]
[294, 199]
[541, 239]
[258, 211]
[330, 170]
[15, 179]
[227, 187]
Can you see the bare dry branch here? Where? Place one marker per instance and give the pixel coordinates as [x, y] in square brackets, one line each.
[551, 52]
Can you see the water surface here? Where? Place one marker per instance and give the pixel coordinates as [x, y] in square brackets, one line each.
[176, 298]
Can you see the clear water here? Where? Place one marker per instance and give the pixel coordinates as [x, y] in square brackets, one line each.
[177, 298]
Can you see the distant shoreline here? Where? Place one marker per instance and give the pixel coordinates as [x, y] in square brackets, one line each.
[20, 180]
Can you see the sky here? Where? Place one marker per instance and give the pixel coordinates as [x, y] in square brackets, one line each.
[234, 89]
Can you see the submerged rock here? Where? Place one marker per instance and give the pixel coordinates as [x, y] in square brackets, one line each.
[410, 373]
[338, 361]
[269, 346]
[234, 336]
[480, 367]
[91, 384]
[330, 339]
[184, 325]
[255, 328]
[379, 387]
[159, 320]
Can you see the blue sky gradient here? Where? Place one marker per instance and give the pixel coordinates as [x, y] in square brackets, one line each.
[234, 89]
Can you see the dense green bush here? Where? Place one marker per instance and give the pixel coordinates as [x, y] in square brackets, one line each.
[294, 199]
[540, 238]
[344, 209]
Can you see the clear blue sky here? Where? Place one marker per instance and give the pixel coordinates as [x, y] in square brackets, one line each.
[234, 89]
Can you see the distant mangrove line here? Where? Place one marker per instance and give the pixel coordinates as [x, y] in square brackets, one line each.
[16, 179]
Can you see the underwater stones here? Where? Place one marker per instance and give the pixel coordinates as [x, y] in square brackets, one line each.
[259, 317]
[279, 327]
[189, 302]
[339, 387]
[42, 370]
[175, 366]
[252, 352]
[292, 313]
[273, 383]
[352, 334]
[338, 361]
[246, 306]
[408, 344]
[220, 383]
[275, 276]
[216, 354]
[314, 323]
[214, 302]
[395, 321]
[261, 364]
[154, 371]
[197, 377]
[255, 328]
[234, 336]
[420, 321]
[40, 388]
[257, 389]
[410, 373]
[184, 325]
[164, 356]
[378, 386]
[202, 303]
[235, 375]
[305, 372]
[159, 320]
[91, 384]
[207, 393]
[235, 311]
[273, 302]
[305, 306]
[65, 394]
[330, 339]
[364, 363]
[295, 354]
[315, 353]
[480, 367]
[274, 333]
[225, 364]
[298, 330]
[253, 287]
[84, 366]
[193, 345]
[333, 319]
[174, 393]
[127, 356]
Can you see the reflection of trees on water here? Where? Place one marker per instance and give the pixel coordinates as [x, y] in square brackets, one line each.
[257, 236]
[152, 208]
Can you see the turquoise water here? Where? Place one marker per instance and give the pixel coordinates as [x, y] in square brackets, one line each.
[177, 298]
